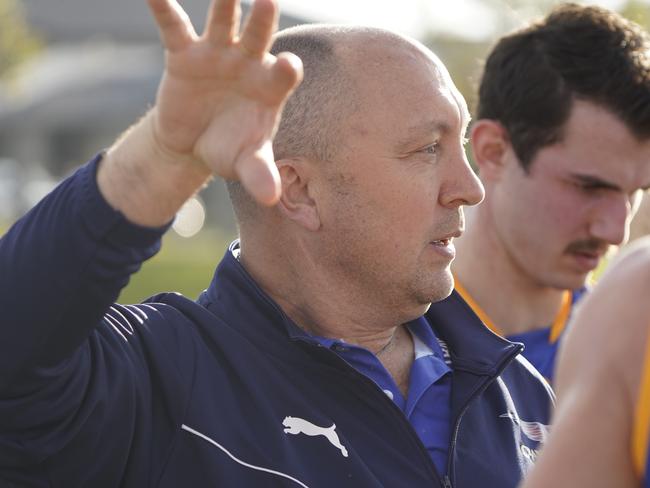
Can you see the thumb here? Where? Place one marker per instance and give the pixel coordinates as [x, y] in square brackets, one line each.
[259, 175]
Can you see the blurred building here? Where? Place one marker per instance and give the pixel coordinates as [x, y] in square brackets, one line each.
[97, 74]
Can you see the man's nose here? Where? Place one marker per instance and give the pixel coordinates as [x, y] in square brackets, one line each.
[463, 186]
[611, 220]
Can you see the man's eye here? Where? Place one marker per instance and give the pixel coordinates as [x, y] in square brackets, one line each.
[587, 187]
[592, 188]
[430, 149]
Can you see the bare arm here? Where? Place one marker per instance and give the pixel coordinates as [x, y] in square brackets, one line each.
[217, 109]
[598, 380]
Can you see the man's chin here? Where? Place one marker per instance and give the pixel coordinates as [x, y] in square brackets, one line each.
[574, 281]
[442, 296]
[583, 280]
[441, 291]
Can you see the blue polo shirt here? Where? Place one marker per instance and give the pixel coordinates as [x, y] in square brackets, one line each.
[541, 347]
[428, 405]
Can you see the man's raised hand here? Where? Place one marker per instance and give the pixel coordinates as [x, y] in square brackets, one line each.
[222, 93]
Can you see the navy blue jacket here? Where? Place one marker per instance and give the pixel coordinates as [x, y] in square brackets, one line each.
[175, 393]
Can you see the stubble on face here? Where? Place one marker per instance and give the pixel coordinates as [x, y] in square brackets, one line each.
[373, 239]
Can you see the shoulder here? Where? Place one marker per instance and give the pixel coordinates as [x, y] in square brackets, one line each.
[528, 389]
[535, 376]
[609, 331]
[158, 330]
[615, 313]
[599, 372]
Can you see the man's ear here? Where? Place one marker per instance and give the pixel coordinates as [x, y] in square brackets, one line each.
[297, 202]
[490, 145]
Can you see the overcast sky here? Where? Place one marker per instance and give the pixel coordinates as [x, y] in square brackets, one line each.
[469, 18]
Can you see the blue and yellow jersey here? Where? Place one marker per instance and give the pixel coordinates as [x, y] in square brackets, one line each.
[541, 344]
[641, 428]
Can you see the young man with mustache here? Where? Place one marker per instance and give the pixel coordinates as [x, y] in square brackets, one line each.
[562, 145]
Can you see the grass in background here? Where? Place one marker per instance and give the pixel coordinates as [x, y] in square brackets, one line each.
[183, 265]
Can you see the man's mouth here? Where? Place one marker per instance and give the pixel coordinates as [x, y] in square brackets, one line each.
[442, 242]
[587, 261]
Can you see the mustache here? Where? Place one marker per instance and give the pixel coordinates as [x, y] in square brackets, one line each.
[588, 246]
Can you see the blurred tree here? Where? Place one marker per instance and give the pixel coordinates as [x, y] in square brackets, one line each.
[637, 11]
[464, 57]
[17, 41]
[514, 13]
[464, 60]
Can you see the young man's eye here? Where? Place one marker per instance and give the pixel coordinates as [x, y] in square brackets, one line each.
[588, 188]
[592, 188]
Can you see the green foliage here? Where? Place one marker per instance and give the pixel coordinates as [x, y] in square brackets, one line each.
[637, 11]
[17, 42]
[183, 265]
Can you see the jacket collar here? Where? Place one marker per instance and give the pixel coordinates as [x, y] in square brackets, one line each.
[472, 345]
[234, 293]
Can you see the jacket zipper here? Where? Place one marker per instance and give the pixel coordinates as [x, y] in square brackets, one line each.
[442, 481]
[477, 392]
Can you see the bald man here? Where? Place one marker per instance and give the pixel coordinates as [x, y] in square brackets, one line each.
[315, 357]
[601, 430]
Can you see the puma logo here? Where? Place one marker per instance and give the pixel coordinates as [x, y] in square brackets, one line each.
[295, 425]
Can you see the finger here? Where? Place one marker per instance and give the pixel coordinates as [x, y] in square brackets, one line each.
[223, 21]
[286, 73]
[260, 25]
[175, 27]
[260, 175]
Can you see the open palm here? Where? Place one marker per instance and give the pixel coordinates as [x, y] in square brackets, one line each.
[222, 94]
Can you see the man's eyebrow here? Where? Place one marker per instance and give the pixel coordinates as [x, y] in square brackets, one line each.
[419, 131]
[595, 182]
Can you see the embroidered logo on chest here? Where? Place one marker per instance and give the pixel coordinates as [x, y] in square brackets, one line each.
[535, 431]
[296, 425]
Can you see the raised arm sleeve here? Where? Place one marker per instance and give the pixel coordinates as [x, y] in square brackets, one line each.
[61, 381]
[62, 265]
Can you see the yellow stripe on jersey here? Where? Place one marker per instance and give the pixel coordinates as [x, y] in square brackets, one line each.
[476, 307]
[557, 327]
[561, 319]
[642, 419]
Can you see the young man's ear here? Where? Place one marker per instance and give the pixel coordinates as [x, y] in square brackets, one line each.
[297, 202]
[490, 146]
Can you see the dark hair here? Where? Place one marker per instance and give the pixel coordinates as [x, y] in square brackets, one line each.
[533, 75]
